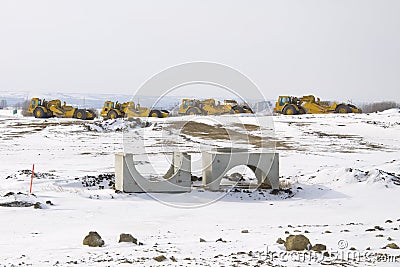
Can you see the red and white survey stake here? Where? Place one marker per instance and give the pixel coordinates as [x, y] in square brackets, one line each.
[33, 174]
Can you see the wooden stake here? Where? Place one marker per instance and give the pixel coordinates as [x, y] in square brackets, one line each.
[33, 174]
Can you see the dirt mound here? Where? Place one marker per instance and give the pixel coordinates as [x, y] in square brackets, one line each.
[240, 133]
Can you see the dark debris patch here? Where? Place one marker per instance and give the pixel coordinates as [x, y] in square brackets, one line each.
[28, 173]
[263, 194]
[101, 181]
[17, 204]
[20, 200]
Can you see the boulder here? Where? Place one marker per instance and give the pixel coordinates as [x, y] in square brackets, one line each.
[37, 205]
[392, 246]
[128, 238]
[160, 258]
[297, 242]
[93, 239]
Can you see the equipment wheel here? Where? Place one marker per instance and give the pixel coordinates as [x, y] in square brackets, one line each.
[289, 110]
[193, 111]
[39, 113]
[112, 114]
[155, 114]
[80, 114]
[343, 109]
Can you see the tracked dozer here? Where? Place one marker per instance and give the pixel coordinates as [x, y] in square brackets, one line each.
[53, 108]
[210, 107]
[115, 110]
[290, 105]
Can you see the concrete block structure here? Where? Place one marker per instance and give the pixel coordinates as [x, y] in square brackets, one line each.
[217, 163]
[129, 180]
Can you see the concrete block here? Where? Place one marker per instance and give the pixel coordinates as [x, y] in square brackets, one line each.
[217, 163]
[129, 180]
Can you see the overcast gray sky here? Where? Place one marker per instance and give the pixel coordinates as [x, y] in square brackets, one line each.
[336, 49]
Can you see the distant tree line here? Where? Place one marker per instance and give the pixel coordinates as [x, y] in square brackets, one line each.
[379, 106]
[24, 105]
[3, 104]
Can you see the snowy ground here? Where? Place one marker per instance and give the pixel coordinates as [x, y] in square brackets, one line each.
[343, 171]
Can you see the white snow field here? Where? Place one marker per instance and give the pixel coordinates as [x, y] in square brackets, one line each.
[343, 171]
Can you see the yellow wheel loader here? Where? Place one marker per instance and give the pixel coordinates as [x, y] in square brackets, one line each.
[209, 107]
[53, 108]
[129, 110]
[290, 105]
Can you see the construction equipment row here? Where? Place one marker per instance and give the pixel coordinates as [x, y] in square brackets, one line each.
[287, 105]
[40, 108]
[115, 110]
[291, 105]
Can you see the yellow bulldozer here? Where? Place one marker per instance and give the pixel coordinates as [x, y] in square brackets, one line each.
[53, 108]
[115, 110]
[209, 107]
[290, 105]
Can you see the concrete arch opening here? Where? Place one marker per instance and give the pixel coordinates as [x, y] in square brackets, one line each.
[240, 176]
[217, 163]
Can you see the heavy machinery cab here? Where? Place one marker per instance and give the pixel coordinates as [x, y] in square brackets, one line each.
[34, 103]
[186, 103]
[282, 101]
[108, 105]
